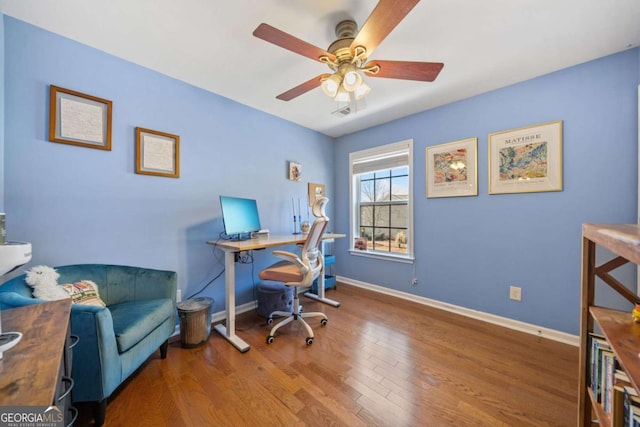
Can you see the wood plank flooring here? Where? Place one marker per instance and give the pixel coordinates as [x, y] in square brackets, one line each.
[380, 361]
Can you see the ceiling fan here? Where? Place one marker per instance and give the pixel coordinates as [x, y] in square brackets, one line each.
[349, 54]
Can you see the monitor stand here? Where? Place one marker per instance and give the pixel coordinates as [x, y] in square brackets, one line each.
[240, 237]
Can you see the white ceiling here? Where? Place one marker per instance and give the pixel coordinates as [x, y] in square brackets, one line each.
[484, 44]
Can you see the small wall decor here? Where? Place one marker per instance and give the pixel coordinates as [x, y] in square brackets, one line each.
[452, 169]
[157, 153]
[295, 171]
[527, 159]
[315, 191]
[79, 119]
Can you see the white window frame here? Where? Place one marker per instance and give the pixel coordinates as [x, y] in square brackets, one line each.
[369, 154]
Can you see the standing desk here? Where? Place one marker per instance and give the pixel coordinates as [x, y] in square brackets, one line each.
[230, 248]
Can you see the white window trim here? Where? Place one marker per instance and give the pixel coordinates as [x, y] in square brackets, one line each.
[353, 211]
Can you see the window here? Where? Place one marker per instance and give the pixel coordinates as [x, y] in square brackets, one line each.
[381, 201]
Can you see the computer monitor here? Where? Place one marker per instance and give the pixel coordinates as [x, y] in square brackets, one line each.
[240, 217]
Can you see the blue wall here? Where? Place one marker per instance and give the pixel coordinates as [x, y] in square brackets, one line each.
[81, 205]
[470, 249]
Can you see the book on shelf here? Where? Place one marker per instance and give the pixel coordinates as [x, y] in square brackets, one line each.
[620, 381]
[608, 365]
[598, 345]
[617, 406]
[634, 417]
[631, 407]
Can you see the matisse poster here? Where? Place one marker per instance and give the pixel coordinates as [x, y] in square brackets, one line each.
[527, 159]
[452, 169]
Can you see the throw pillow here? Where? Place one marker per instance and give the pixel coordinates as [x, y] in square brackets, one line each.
[84, 292]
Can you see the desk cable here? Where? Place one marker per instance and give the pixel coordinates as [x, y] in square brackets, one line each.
[215, 278]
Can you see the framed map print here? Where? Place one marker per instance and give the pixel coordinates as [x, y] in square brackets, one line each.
[452, 169]
[526, 160]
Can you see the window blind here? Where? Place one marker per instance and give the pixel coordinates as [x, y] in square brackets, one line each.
[376, 163]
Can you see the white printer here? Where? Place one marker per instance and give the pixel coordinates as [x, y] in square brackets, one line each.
[14, 255]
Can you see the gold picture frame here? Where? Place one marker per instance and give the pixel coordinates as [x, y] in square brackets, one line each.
[452, 169]
[315, 191]
[79, 119]
[157, 153]
[526, 160]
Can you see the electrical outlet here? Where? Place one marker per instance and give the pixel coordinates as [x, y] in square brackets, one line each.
[515, 293]
[179, 295]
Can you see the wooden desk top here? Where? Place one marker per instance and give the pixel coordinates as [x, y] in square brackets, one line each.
[266, 241]
[29, 371]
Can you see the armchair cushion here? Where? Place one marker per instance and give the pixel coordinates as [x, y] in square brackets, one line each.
[132, 321]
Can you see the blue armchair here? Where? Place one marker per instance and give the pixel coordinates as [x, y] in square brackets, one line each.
[114, 340]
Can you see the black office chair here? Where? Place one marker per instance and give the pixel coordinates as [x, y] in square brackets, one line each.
[300, 271]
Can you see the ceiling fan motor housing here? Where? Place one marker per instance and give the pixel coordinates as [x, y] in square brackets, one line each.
[346, 31]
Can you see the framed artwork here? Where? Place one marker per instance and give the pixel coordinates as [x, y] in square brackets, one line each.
[452, 169]
[79, 119]
[295, 171]
[526, 160]
[315, 191]
[157, 153]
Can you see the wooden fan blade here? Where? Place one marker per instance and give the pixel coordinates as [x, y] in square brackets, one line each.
[302, 88]
[287, 41]
[406, 70]
[384, 18]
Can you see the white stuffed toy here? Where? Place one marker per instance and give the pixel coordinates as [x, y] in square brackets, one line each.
[44, 281]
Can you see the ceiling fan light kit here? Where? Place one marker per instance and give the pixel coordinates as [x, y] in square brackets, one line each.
[362, 91]
[346, 78]
[331, 84]
[347, 56]
[352, 79]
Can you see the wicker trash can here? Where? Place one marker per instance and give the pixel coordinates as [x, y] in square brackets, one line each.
[195, 321]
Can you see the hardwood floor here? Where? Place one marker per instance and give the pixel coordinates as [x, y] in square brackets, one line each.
[381, 361]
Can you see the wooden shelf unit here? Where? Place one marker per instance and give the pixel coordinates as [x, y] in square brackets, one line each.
[37, 371]
[618, 327]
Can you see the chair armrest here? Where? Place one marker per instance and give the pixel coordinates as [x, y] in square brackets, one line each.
[13, 299]
[292, 258]
[96, 363]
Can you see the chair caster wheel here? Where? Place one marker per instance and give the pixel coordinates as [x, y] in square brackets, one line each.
[270, 339]
[269, 320]
[323, 322]
[309, 340]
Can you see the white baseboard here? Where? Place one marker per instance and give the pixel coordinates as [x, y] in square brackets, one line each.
[540, 331]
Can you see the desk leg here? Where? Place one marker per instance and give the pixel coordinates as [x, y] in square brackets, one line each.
[320, 297]
[229, 332]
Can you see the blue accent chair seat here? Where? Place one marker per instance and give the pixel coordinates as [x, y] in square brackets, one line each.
[115, 340]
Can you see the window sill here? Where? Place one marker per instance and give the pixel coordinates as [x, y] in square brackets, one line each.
[407, 259]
